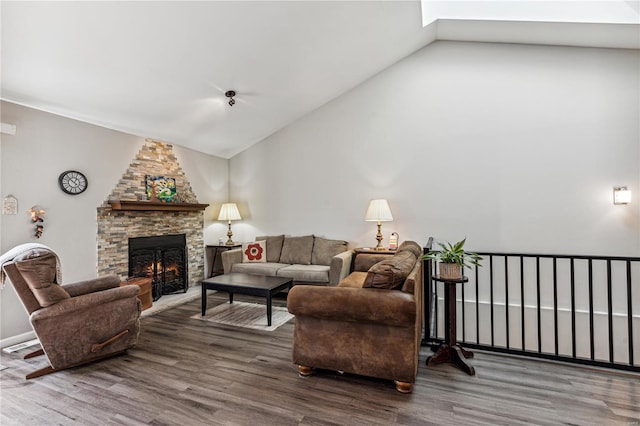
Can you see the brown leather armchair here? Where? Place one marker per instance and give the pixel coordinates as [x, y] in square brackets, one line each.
[360, 326]
[75, 323]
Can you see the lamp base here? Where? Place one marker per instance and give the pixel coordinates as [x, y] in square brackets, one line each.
[379, 238]
[229, 235]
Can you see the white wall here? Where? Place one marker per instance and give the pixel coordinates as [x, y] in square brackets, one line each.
[46, 145]
[516, 147]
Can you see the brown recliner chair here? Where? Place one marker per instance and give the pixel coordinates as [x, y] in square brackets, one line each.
[370, 324]
[75, 323]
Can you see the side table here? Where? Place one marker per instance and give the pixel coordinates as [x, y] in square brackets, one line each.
[216, 255]
[145, 290]
[451, 351]
[361, 250]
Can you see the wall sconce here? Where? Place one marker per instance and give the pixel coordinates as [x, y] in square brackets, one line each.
[229, 212]
[378, 211]
[621, 195]
[230, 94]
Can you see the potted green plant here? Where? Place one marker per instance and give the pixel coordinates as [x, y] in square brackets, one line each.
[453, 258]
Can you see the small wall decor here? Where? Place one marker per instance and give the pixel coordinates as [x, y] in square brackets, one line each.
[10, 205]
[37, 217]
[161, 188]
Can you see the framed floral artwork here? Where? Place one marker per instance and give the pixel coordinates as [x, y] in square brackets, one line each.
[161, 188]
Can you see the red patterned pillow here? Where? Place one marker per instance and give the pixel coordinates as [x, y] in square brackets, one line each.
[255, 252]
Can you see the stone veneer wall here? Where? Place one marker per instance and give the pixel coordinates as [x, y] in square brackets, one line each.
[116, 227]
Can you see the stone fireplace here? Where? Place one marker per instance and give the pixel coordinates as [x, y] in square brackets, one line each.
[123, 215]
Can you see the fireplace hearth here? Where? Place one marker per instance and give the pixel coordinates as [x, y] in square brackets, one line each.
[162, 258]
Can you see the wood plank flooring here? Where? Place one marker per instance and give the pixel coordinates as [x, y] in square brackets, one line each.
[191, 372]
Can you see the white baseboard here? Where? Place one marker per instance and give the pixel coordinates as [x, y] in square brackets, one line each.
[20, 338]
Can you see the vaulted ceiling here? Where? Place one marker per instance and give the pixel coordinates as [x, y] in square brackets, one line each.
[160, 69]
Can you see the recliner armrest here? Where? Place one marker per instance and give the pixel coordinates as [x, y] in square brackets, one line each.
[91, 286]
[85, 301]
[340, 267]
[229, 258]
[390, 307]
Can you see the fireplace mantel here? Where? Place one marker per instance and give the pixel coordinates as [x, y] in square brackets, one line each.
[125, 205]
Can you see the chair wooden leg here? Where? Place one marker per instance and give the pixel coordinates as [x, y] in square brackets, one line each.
[305, 371]
[42, 372]
[404, 387]
[34, 354]
[49, 369]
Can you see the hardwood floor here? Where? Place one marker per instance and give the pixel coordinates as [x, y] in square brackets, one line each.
[191, 372]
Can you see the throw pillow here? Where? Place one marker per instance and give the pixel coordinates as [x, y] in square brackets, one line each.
[390, 273]
[39, 275]
[274, 247]
[297, 250]
[255, 252]
[324, 250]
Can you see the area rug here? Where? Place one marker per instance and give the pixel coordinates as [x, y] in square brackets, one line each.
[248, 315]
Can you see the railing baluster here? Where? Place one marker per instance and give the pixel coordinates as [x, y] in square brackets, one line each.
[491, 296]
[506, 298]
[591, 330]
[610, 310]
[555, 305]
[522, 325]
[462, 309]
[573, 309]
[435, 308]
[477, 309]
[629, 313]
[538, 302]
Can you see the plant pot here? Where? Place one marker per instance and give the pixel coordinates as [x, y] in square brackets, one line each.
[451, 271]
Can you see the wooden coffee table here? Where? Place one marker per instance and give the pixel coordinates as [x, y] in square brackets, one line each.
[252, 285]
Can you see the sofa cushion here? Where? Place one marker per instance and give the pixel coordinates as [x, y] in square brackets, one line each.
[354, 280]
[39, 274]
[391, 273]
[254, 252]
[297, 250]
[274, 246]
[305, 273]
[269, 269]
[324, 250]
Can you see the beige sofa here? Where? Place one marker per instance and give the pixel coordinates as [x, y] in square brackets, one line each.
[307, 259]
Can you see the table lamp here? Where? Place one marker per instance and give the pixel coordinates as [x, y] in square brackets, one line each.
[229, 212]
[378, 211]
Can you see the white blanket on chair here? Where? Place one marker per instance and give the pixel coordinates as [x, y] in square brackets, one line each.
[23, 248]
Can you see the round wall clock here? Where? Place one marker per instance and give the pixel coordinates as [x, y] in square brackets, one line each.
[72, 182]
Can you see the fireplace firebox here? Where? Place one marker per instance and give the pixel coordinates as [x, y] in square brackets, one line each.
[162, 258]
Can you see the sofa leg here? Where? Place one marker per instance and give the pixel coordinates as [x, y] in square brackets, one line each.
[305, 371]
[404, 387]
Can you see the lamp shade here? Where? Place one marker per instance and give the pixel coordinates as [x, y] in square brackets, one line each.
[378, 211]
[229, 211]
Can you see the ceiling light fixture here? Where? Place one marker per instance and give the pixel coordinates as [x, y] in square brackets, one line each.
[230, 94]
